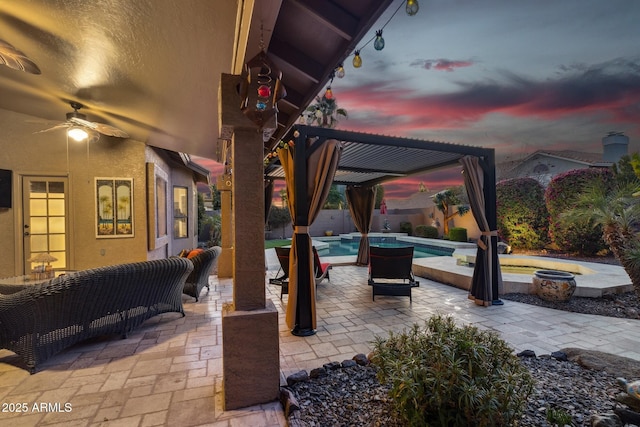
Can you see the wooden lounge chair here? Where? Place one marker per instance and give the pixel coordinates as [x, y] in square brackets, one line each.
[282, 276]
[391, 263]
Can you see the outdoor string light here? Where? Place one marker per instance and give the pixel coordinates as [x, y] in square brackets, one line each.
[378, 44]
[412, 7]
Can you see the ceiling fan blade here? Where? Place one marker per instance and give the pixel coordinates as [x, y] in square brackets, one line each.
[100, 127]
[56, 127]
[13, 58]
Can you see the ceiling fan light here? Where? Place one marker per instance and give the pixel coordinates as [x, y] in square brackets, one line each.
[77, 133]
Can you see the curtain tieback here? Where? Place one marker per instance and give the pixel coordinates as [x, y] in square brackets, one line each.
[365, 234]
[482, 245]
[301, 229]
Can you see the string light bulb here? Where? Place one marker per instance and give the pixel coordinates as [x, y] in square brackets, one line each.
[340, 71]
[357, 61]
[412, 7]
[328, 93]
[378, 43]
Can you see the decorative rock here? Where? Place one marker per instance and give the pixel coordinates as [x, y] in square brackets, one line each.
[348, 363]
[632, 313]
[628, 417]
[298, 377]
[526, 353]
[551, 285]
[318, 373]
[605, 420]
[288, 401]
[559, 355]
[629, 401]
[331, 366]
[361, 359]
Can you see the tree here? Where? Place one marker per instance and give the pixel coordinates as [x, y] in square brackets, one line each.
[578, 236]
[278, 217]
[215, 197]
[523, 219]
[283, 196]
[379, 195]
[447, 199]
[617, 211]
[201, 212]
[335, 199]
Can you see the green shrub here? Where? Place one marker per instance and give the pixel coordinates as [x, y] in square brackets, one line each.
[583, 237]
[427, 231]
[458, 234]
[406, 227]
[558, 417]
[452, 376]
[523, 219]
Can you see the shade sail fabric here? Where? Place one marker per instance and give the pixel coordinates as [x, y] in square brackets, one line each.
[486, 258]
[320, 167]
[361, 202]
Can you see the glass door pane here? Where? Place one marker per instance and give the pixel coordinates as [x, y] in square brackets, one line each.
[45, 223]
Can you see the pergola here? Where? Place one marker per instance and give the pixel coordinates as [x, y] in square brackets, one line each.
[360, 161]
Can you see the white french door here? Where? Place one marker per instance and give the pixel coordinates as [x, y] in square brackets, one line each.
[45, 220]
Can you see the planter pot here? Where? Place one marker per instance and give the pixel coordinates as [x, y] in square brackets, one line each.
[551, 285]
[328, 233]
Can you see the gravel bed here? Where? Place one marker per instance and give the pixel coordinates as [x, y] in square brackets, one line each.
[625, 305]
[353, 396]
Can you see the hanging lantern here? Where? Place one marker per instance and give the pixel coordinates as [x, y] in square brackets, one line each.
[260, 90]
[378, 43]
[357, 61]
[412, 7]
[328, 94]
[340, 71]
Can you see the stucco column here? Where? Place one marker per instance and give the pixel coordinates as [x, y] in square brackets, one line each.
[250, 341]
[225, 261]
[248, 219]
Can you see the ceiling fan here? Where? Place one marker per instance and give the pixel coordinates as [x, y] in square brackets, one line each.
[78, 121]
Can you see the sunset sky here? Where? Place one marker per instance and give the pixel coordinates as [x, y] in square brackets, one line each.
[517, 76]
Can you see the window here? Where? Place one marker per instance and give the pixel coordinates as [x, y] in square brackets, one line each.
[161, 207]
[158, 198]
[180, 213]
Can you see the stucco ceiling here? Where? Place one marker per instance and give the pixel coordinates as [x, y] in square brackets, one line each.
[152, 67]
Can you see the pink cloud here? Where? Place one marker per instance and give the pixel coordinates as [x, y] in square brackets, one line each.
[442, 64]
[608, 93]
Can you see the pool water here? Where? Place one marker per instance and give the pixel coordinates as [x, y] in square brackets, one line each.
[346, 247]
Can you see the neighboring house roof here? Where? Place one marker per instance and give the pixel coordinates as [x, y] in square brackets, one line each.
[509, 169]
[200, 173]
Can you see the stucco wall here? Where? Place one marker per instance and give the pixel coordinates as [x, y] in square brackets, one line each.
[48, 154]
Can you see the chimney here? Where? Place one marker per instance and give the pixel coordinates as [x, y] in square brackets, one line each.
[614, 146]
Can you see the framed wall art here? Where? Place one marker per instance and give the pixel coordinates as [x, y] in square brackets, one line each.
[114, 207]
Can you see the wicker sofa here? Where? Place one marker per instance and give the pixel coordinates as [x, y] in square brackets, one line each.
[42, 320]
[199, 277]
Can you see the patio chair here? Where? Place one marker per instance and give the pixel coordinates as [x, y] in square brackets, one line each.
[203, 263]
[393, 264]
[282, 276]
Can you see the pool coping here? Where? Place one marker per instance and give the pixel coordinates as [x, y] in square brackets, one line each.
[594, 281]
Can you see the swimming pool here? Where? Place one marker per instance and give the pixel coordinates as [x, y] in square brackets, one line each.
[349, 246]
